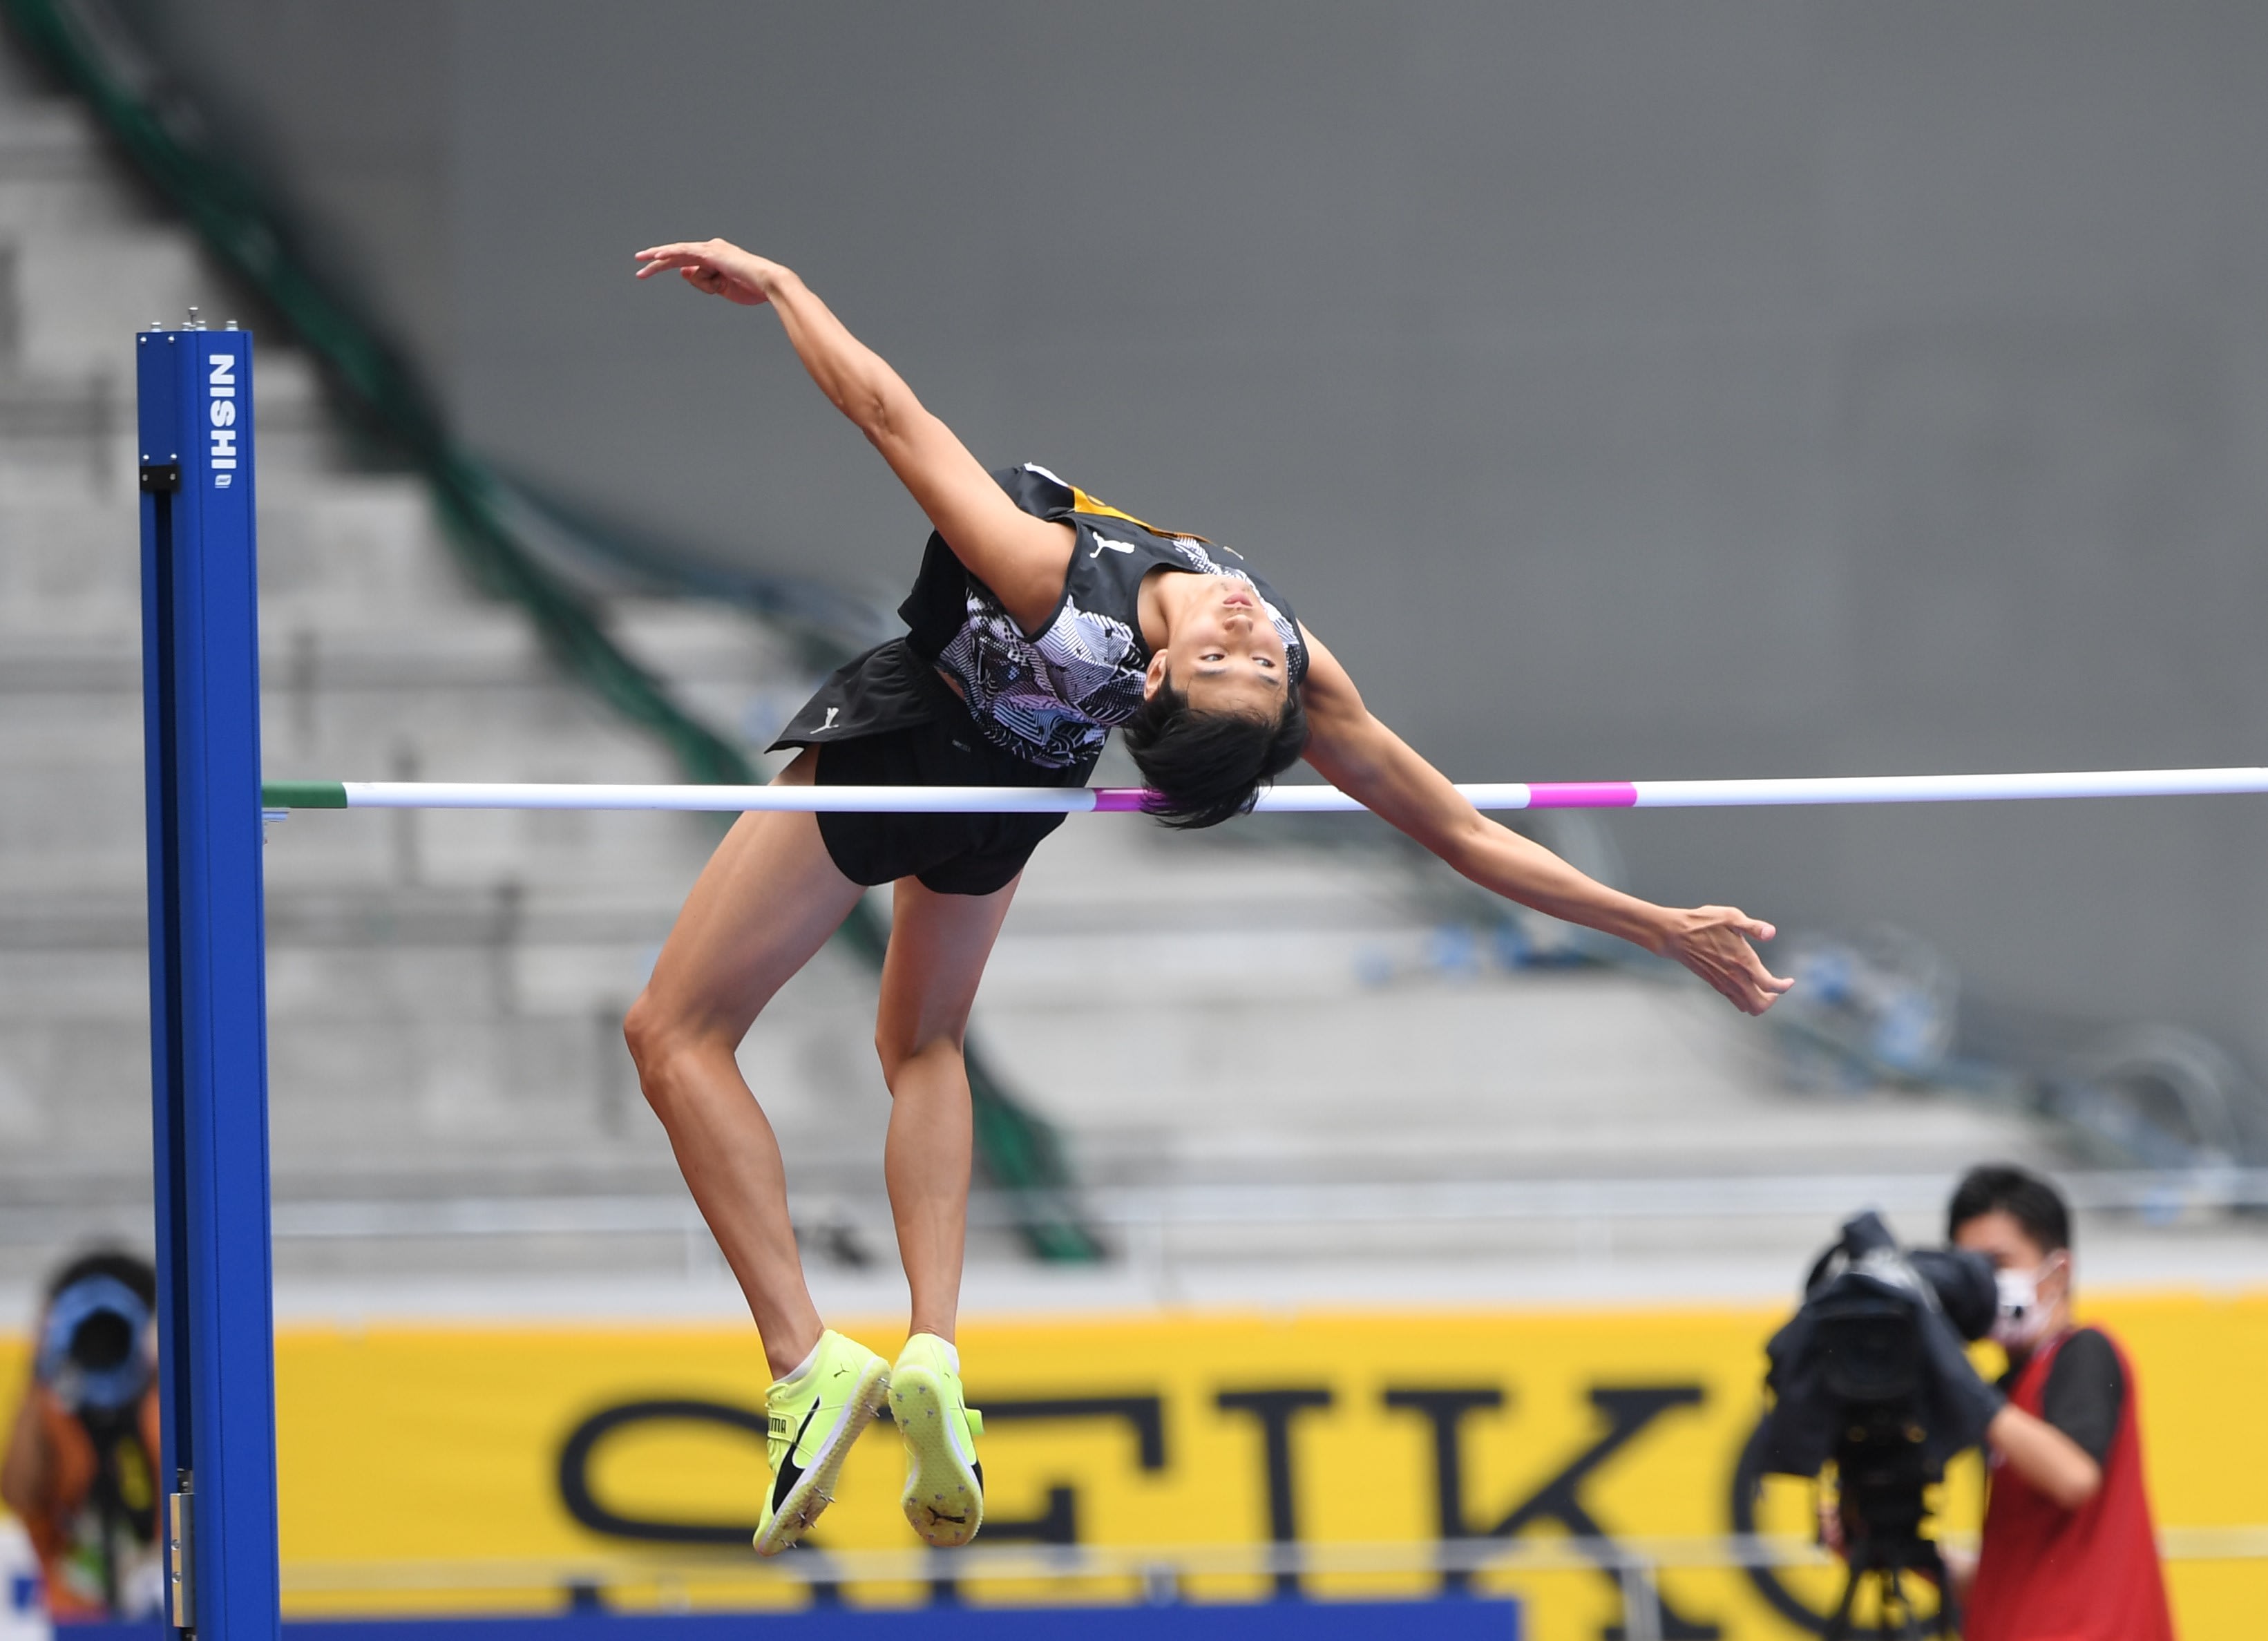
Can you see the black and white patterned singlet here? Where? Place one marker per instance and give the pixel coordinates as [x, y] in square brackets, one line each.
[1050, 696]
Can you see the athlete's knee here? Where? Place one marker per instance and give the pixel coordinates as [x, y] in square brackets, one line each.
[663, 1046]
[903, 1053]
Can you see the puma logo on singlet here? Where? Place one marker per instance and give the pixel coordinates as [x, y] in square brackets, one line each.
[1101, 541]
[831, 712]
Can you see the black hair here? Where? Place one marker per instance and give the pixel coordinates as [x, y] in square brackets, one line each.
[1204, 767]
[139, 1276]
[2024, 1197]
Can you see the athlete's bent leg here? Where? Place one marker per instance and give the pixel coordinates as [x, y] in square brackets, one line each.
[767, 900]
[938, 945]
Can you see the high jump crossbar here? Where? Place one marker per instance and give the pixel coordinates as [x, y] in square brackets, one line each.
[279, 797]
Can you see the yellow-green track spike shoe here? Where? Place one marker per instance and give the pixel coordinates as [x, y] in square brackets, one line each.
[815, 1417]
[944, 1484]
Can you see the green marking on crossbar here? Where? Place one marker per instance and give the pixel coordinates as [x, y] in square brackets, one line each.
[303, 795]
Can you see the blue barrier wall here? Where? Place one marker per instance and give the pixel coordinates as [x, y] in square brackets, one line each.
[1452, 1620]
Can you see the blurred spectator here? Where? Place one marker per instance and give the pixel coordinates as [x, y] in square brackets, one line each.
[2068, 1552]
[81, 1467]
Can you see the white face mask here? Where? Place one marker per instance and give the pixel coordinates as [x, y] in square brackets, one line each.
[2023, 1318]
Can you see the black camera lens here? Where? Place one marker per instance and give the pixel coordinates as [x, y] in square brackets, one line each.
[1966, 1291]
[102, 1341]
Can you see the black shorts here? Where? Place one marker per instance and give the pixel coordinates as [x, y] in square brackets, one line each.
[925, 736]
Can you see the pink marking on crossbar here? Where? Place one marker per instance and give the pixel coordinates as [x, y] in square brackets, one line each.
[1582, 795]
[1119, 799]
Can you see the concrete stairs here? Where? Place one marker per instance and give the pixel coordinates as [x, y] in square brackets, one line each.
[445, 991]
[454, 1121]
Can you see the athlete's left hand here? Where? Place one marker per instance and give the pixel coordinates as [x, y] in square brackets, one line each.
[1713, 941]
[717, 268]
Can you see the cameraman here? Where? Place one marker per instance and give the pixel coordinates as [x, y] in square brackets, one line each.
[2068, 1551]
[81, 1465]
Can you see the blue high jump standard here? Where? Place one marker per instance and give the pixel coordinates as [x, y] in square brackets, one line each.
[208, 981]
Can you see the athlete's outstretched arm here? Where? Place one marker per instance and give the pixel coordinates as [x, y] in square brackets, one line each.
[1359, 755]
[1022, 558]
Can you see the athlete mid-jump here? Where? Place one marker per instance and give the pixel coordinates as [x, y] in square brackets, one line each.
[1039, 620]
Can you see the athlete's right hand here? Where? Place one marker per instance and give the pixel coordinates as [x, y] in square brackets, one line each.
[717, 268]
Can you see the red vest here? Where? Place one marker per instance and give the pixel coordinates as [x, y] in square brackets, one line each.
[2090, 1574]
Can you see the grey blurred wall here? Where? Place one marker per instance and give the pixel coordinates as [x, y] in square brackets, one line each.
[1622, 390]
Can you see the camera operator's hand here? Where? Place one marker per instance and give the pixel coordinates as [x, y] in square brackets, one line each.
[1831, 1527]
[1960, 1570]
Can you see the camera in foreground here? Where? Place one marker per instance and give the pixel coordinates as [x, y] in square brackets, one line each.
[1871, 1376]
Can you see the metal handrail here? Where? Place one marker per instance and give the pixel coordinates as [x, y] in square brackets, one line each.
[1807, 1195]
[1779, 1196]
[1078, 1562]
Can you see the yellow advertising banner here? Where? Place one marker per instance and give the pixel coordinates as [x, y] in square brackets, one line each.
[452, 1446]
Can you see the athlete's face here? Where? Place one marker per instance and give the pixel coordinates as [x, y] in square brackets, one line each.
[1224, 653]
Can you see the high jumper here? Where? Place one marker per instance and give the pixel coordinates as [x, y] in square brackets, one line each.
[1041, 619]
